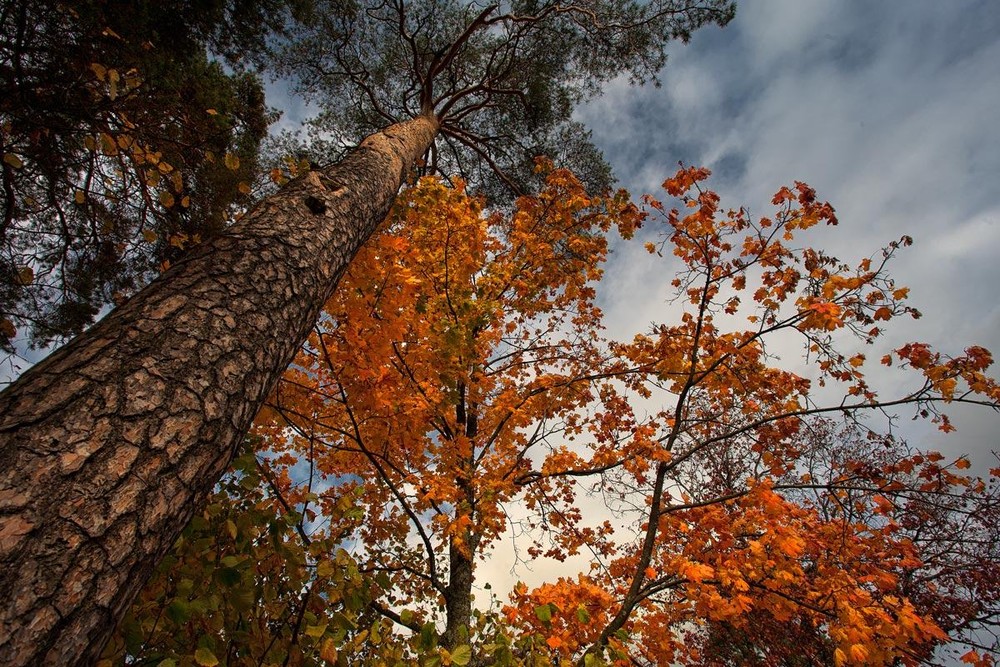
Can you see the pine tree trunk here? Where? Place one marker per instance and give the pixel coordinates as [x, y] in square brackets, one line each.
[108, 446]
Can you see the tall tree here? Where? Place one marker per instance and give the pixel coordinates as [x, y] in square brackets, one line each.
[107, 446]
[457, 387]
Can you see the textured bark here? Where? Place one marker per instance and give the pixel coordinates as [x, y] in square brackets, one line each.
[109, 445]
[461, 566]
[458, 594]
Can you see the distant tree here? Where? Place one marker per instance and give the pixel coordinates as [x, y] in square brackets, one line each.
[122, 144]
[126, 429]
[458, 387]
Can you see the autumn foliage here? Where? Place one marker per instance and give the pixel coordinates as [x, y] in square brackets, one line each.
[459, 389]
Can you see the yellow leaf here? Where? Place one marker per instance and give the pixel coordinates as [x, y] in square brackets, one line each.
[99, 70]
[89, 143]
[149, 235]
[244, 188]
[13, 160]
[462, 655]
[205, 657]
[185, 201]
[232, 161]
[316, 630]
[211, 112]
[324, 569]
[166, 199]
[108, 144]
[79, 197]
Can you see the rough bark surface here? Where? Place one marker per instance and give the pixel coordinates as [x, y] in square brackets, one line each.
[109, 445]
[458, 594]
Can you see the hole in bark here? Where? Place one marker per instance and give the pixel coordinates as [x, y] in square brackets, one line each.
[315, 205]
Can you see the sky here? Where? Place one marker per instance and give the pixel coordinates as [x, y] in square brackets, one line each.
[891, 111]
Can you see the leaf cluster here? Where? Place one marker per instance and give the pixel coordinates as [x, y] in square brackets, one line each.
[114, 125]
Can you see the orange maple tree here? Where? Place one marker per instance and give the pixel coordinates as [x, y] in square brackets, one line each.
[459, 388]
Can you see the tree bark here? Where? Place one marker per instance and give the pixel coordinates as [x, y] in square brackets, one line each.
[458, 594]
[109, 445]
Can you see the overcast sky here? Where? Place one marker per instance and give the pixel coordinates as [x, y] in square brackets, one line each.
[891, 110]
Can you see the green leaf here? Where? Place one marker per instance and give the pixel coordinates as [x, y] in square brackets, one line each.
[544, 613]
[428, 636]
[228, 576]
[461, 655]
[582, 615]
[178, 611]
[504, 657]
[167, 662]
[231, 561]
[242, 599]
[205, 657]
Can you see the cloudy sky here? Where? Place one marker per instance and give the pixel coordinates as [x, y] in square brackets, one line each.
[889, 110]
